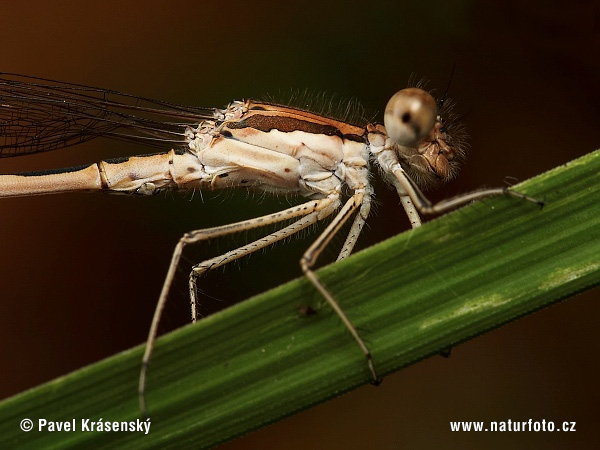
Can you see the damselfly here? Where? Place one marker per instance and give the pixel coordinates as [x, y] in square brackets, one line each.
[250, 145]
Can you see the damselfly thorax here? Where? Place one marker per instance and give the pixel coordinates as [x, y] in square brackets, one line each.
[250, 145]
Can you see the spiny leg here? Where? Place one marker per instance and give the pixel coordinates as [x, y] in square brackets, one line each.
[310, 257]
[313, 207]
[263, 242]
[405, 186]
[357, 226]
[411, 211]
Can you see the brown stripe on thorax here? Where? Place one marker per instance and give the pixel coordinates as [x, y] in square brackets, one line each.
[266, 117]
[285, 124]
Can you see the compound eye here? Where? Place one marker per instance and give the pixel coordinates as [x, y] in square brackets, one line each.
[410, 116]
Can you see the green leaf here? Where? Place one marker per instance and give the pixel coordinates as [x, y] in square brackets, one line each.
[412, 296]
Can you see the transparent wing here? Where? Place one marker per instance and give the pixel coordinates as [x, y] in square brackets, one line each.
[38, 115]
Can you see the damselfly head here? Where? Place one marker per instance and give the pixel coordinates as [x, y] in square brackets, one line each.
[410, 116]
[413, 122]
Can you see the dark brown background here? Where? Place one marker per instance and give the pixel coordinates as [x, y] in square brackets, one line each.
[79, 274]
